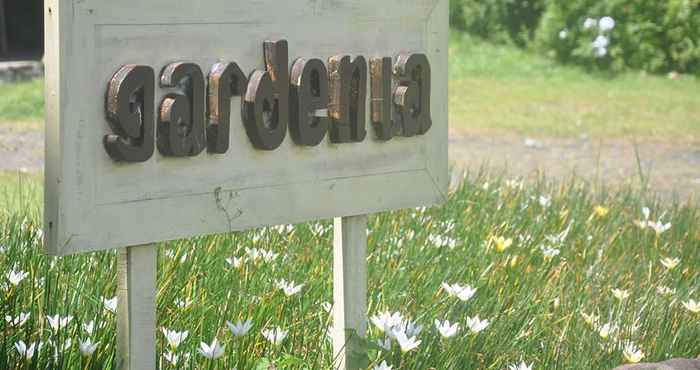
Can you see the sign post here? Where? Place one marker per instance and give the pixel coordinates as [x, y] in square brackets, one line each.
[349, 289]
[167, 120]
[136, 308]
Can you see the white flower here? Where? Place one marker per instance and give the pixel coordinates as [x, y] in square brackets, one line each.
[171, 357]
[601, 42]
[174, 338]
[235, 262]
[620, 294]
[476, 325]
[442, 241]
[382, 366]
[172, 254]
[591, 319]
[87, 347]
[589, 23]
[670, 263]
[88, 327]
[58, 323]
[288, 287]
[659, 227]
[549, 252]
[385, 344]
[240, 328]
[563, 34]
[268, 256]
[664, 290]
[555, 239]
[18, 321]
[606, 24]
[407, 344]
[24, 351]
[213, 351]
[521, 366]
[253, 253]
[646, 212]
[110, 304]
[632, 353]
[15, 277]
[692, 306]
[411, 328]
[276, 336]
[606, 330]
[545, 200]
[386, 321]
[446, 329]
[180, 303]
[464, 293]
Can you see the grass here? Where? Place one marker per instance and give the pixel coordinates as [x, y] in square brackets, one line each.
[502, 89]
[534, 303]
[22, 102]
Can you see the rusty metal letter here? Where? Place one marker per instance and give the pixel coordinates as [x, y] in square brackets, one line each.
[266, 104]
[181, 130]
[381, 95]
[412, 97]
[400, 96]
[308, 95]
[347, 108]
[226, 80]
[130, 110]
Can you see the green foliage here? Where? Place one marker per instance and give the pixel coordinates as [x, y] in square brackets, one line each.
[655, 36]
[533, 301]
[498, 20]
[650, 35]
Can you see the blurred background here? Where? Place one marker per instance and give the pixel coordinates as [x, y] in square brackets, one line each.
[605, 91]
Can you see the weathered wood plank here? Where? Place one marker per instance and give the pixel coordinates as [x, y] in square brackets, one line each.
[136, 309]
[95, 203]
[349, 290]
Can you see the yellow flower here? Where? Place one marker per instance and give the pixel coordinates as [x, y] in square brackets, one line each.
[601, 211]
[514, 261]
[502, 243]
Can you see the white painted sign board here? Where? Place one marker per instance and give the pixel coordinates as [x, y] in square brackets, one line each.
[94, 202]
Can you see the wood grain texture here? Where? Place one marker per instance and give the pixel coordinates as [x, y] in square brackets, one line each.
[349, 289]
[94, 203]
[136, 308]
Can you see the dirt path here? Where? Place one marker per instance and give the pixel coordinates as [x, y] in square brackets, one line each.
[21, 147]
[672, 167]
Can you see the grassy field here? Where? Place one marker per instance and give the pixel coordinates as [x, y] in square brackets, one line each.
[548, 296]
[501, 89]
[22, 102]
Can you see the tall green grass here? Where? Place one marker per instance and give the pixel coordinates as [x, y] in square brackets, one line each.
[534, 303]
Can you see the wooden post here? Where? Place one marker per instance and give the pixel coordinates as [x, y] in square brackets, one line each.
[136, 310]
[349, 290]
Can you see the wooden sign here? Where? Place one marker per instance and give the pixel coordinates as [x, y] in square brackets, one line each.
[171, 119]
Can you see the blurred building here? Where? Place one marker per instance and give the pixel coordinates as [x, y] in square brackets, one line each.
[21, 30]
